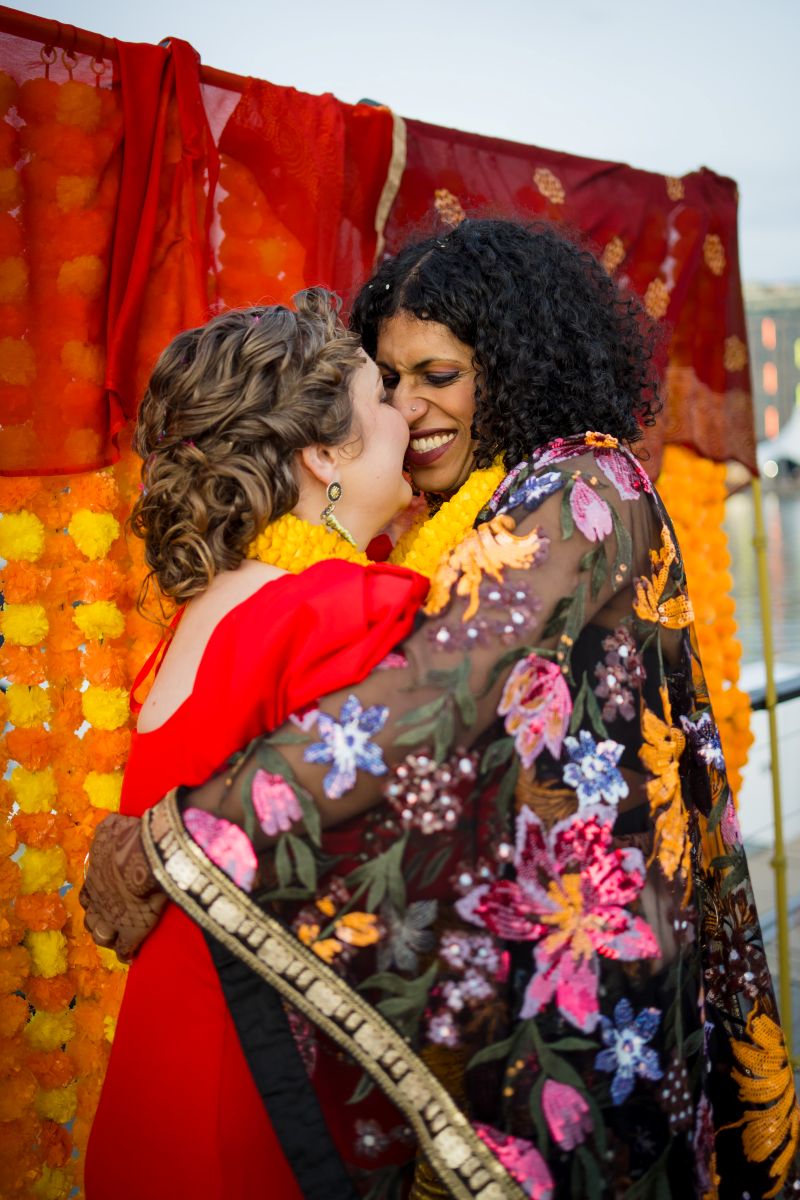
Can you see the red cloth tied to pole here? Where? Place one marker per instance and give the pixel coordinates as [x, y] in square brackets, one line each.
[673, 240]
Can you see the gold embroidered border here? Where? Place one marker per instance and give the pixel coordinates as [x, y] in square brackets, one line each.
[464, 1163]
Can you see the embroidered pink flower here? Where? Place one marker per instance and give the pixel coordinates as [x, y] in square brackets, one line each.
[566, 1113]
[570, 896]
[590, 512]
[393, 662]
[225, 844]
[521, 1159]
[536, 705]
[731, 829]
[275, 803]
[627, 476]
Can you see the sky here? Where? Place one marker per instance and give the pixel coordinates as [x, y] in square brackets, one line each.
[667, 86]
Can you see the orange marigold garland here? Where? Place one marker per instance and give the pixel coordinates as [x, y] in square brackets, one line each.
[59, 995]
[693, 490]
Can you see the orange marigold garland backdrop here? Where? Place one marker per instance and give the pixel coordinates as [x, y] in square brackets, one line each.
[693, 489]
[72, 643]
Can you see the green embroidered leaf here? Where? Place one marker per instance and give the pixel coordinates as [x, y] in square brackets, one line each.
[505, 792]
[432, 867]
[579, 705]
[736, 876]
[491, 1053]
[310, 814]
[305, 867]
[693, 1043]
[599, 571]
[246, 801]
[567, 520]
[558, 618]
[411, 737]
[496, 753]
[283, 865]
[466, 704]
[572, 626]
[573, 1043]
[715, 816]
[443, 735]
[408, 1000]
[593, 1175]
[593, 709]
[361, 1090]
[537, 1113]
[624, 555]
[423, 713]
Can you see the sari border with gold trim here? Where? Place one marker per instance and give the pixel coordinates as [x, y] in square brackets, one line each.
[463, 1162]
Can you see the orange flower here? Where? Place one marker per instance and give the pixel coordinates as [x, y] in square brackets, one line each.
[107, 750]
[15, 965]
[14, 1013]
[52, 1068]
[55, 1144]
[22, 582]
[41, 830]
[9, 879]
[660, 754]
[32, 748]
[25, 664]
[50, 995]
[485, 551]
[41, 910]
[765, 1078]
[648, 604]
[358, 929]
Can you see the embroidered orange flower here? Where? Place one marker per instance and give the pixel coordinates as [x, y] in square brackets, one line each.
[487, 550]
[649, 604]
[660, 754]
[764, 1075]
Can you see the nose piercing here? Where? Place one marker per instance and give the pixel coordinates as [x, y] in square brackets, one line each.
[413, 408]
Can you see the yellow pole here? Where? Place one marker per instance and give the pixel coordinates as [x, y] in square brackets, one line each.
[779, 857]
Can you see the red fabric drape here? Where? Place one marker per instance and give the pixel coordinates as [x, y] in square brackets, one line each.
[672, 240]
[158, 207]
[321, 164]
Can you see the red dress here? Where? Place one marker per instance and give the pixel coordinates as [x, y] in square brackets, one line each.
[179, 1114]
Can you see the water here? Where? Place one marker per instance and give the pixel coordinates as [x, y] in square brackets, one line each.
[782, 522]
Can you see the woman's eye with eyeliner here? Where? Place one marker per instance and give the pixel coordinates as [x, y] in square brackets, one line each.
[442, 378]
[390, 382]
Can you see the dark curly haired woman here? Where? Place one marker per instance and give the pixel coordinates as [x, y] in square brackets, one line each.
[527, 920]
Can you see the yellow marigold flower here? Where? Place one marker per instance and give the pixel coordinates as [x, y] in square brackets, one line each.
[27, 706]
[85, 274]
[765, 1079]
[104, 790]
[50, 1031]
[13, 279]
[100, 620]
[21, 536]
[42, 870]
[17, 360]
[93, 533]
[57, 1104]
[105, 708]
[48, 952]
[54, 1183]
[34, 791]
[24, 624]
[109, 960]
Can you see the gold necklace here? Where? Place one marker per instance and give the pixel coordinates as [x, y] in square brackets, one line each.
[423, 546]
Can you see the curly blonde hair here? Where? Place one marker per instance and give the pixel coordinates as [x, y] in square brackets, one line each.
[226, 410]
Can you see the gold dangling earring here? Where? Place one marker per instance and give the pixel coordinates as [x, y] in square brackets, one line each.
[327, 517]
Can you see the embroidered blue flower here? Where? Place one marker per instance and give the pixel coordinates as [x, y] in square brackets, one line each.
[627, 1052]
[703, 737]
[346, 744]
[534, 490]
[593, 770]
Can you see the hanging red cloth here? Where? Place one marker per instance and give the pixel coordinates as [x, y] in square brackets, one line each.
[673, 240]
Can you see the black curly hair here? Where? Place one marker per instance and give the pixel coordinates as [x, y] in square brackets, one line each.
[560, 348]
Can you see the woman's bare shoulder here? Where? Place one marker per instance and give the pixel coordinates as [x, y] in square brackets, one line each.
[175, 681]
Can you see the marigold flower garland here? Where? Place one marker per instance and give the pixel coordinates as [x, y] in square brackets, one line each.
[693, 490]
[422, 546]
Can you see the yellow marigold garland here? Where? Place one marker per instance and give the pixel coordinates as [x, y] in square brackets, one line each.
[293, 545]
[422, 547]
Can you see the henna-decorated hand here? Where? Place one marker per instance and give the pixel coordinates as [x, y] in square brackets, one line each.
[122, 897]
